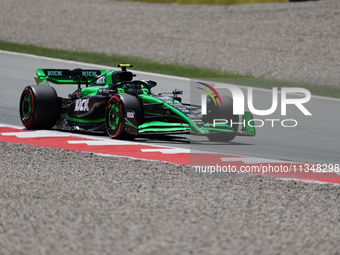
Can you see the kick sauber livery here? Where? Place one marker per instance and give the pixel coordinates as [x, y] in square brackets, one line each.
[112, 102]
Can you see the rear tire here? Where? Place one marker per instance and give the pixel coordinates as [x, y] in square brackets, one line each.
[39, 107]
[222, 112]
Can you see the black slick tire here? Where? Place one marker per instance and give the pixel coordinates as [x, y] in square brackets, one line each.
[39, 107]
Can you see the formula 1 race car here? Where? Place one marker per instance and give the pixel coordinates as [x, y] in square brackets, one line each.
[112, 102]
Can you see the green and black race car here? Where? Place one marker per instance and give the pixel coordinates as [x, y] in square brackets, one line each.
[112, 102]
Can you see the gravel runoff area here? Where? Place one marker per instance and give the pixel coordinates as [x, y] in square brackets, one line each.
[290, 41]
[55, 201]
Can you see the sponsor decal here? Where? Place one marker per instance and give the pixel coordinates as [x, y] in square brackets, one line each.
[101, 80]
[55, 73]
[130, 115]
[89, 73]
[82, 105]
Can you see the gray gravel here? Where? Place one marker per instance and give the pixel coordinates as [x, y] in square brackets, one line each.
[290, 41]
[60, 202]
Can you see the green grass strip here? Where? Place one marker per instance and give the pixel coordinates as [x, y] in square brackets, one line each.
[147, 65]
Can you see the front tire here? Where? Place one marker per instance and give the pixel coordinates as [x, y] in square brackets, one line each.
[224, 111]
[39, 107]
[114, 118]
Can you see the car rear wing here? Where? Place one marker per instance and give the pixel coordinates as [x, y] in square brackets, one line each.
[67, 76]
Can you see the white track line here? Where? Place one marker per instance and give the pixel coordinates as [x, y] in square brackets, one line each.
[252, 160]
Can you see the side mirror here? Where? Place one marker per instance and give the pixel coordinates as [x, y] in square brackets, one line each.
[151, 83]
[177, 92]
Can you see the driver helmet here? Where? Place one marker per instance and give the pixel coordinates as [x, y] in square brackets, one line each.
[134, 88]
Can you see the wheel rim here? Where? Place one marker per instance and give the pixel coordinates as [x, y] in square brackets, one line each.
[114, 117]
[26, 107]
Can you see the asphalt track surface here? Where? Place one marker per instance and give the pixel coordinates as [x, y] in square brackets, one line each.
[314, 140]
